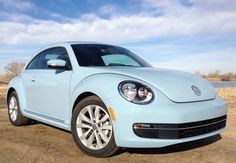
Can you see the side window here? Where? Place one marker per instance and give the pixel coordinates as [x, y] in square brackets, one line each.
[33, 64]
[53, 53]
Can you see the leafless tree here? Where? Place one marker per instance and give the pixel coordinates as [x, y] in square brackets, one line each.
[227, 76]
[214, 74]
[12, 69]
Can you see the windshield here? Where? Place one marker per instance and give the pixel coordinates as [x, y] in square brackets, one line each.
[106, 55]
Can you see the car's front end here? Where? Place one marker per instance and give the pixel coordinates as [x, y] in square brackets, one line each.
[164, 122]
[183, 109]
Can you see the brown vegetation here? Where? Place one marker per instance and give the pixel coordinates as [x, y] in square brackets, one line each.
[3, 89]
[228, 94]
[11, 70]
[218, 76]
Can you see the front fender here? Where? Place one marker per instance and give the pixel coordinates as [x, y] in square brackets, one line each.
[18, 85]
[104, 85]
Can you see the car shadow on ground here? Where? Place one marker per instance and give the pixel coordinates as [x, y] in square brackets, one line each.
[175, 148]
[35, 122]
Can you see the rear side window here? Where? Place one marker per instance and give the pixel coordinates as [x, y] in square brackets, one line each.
[33, 64]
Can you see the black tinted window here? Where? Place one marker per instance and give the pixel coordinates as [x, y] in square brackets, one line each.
[106, 55]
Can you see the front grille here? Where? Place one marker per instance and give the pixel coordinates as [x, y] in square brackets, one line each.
[178, 131]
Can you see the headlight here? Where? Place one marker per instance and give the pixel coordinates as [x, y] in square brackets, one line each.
[135, 92]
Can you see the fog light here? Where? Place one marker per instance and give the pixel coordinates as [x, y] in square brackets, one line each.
[141, 126]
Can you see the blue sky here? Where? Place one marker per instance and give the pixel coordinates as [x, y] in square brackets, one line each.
[186, 35]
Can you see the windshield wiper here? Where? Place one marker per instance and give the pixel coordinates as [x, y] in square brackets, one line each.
[116, 64]
[120, 64]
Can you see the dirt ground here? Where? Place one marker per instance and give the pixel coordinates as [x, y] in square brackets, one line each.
[42, 143]
[3, 89]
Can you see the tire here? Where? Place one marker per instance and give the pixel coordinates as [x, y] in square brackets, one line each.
[14, 113]
[93, 136]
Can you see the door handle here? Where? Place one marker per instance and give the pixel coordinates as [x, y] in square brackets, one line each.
[33, 79]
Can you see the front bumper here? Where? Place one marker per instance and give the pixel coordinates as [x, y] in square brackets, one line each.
[162, 111]
[179, 131]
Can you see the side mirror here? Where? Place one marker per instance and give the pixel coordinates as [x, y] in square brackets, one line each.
[57, 64]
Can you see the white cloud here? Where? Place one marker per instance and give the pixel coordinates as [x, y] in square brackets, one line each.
[167, 7]
[118, 29]
[176, 20]
[213, 5]
[158, 19]
[17, 5]
[108, 9]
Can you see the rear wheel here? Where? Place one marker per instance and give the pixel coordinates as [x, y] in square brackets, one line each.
[15, 116]
[92, 128]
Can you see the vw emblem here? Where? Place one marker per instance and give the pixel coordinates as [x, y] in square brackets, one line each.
[196, 90]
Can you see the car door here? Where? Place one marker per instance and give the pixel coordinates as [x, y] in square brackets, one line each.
[47, 89]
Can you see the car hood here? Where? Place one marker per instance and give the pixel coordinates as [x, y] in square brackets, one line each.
[176, 85]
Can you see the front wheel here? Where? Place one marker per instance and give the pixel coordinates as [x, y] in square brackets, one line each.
[92, 128]
[14, 112]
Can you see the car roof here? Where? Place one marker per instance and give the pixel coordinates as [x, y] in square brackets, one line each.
[78, 42]
[65, 43]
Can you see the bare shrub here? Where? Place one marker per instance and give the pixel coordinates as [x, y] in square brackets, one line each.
[217, 75]
[226, 77]
[12, 70]
[214, 74]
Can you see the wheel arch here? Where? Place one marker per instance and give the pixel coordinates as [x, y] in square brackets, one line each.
[102, 85]
[9, 91]
[81, 97]
[16, 84]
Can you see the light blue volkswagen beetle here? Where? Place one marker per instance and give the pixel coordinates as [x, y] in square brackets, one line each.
[109, 98]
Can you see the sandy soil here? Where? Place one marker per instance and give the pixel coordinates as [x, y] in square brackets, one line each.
[42, 143]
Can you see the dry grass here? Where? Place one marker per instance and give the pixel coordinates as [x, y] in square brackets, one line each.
[228, 94]
[3, 89]
[219, 79]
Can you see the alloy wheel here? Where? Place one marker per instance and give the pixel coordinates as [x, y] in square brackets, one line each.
[13, 108]
[94, 127]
